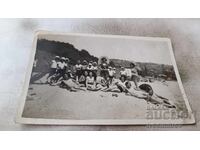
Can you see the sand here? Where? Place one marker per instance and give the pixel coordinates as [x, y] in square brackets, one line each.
[52, 102]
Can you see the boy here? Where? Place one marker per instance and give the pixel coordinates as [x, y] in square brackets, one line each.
[53, 67]
[78, 68]
[111, 73]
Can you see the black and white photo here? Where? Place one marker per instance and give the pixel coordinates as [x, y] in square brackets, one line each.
[103, 79]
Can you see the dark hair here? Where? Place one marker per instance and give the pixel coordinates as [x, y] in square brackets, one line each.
[122, 76]
[147, 88]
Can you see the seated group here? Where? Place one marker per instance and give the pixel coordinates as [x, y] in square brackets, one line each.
[93, 77]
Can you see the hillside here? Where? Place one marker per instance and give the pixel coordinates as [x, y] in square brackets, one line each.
[65, 50]
[47, 50]
[148, 69]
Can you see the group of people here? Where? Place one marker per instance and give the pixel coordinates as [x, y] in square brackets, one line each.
[93, 76]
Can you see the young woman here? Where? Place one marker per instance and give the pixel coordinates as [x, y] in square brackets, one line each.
[116, 86]
[71, 85]
[91, 83]
[82, 79]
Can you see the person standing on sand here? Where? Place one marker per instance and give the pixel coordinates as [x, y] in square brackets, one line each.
[84, 66]
[123, 72]
[53, 67]
[94, 70]
[104, 68]
[61, 69]
[111, 74]
[90, 66]
[78, 68]
[134, 73]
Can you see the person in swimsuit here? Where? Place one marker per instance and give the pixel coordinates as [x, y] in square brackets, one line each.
[91, 83]
[146, 92]
[78, 70]
[70, 85]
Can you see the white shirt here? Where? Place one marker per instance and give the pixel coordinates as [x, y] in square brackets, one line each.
[123, 72]
[54, 64]
[61, 65]
[111, 73]
[128, 72]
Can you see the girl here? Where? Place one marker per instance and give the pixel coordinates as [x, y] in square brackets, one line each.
[90, 82]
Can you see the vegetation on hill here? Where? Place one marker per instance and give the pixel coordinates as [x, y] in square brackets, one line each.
[47, 50]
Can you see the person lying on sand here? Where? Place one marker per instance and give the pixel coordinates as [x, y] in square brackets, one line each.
[116, 86]
[147, 94]
[71, 85]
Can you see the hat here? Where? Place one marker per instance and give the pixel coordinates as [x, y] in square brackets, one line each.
[109, 67]
[94, 63]
[66, 59]
[57, 57]
[133, 63]
[63, 58]
[85, 62]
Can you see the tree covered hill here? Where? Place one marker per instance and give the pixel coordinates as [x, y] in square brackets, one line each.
[47, 50]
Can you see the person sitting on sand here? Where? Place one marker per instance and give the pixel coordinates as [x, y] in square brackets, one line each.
[116, 86]
[82, 79]
[90, 82]
[71, 85]
[148, 94]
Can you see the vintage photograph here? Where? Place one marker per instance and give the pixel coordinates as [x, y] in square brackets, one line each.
[103, 79]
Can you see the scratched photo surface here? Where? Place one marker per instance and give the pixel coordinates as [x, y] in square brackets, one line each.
[87, 77]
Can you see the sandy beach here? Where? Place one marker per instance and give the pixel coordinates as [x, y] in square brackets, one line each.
[52, 102]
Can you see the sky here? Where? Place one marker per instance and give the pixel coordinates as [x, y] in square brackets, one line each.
[132, 49]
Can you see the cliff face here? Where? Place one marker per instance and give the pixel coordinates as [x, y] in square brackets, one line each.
[47, 50]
